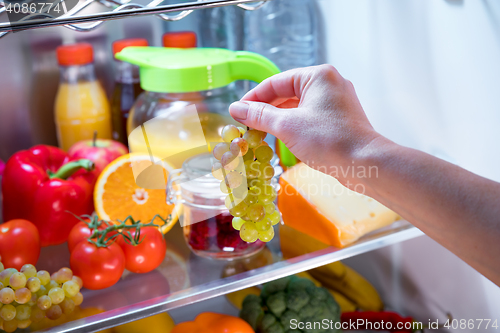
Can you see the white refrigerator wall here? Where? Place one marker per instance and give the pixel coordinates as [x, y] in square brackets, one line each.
[428, 75]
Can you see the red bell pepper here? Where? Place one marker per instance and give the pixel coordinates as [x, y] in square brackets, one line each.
[43, 185]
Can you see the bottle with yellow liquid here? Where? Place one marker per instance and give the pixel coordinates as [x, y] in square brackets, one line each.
[81, 106]
[187, 93]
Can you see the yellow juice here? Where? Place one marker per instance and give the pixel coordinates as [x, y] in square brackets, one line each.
[80, 109]
[178, 138]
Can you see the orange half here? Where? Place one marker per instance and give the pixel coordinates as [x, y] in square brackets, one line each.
[117, 195]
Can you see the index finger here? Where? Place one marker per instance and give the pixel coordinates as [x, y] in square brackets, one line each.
[279, 88]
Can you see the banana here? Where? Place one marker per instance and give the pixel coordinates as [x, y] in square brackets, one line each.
[345, 304]
[354, 287]
[236, 298]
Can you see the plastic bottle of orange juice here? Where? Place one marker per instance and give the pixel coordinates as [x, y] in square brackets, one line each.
[81, 106]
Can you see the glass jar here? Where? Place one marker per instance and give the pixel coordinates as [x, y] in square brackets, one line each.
[206, 221]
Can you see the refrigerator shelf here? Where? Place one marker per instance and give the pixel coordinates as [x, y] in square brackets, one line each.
[184, 278]
[111, 9]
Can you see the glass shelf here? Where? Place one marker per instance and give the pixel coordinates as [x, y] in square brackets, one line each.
[184, 278]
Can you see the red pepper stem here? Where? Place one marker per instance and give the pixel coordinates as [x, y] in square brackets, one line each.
[70, 168]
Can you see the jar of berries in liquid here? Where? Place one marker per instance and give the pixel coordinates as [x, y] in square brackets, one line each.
[206, 221]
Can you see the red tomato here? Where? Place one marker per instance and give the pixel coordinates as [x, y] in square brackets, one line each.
[98, 267]
[148, 254]
[19, 243]
[80, 232]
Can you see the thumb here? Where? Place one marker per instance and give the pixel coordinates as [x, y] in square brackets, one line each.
[261, 116]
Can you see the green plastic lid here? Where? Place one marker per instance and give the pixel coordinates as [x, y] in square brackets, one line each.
[173, 70]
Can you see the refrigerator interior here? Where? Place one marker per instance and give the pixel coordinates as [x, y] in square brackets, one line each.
[426, 72]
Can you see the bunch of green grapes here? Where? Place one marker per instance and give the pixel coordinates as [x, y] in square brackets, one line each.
[250, 194]
[29, 296]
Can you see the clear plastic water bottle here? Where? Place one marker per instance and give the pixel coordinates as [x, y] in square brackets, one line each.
[222, 27]
[285, 31]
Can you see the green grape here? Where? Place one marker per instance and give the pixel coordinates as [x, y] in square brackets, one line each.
[56, 295]
[253, 137]
[78, 299]
[253, 170]
[248, 156]
[8, 312]
[237, 223]
[255, 190]
[44, 277]
[33, 299]
[255, 182]
[6, 274]
[266, 236]
[23, 323]
[63, 275]
[239, 146]
[23, 312]
[251, 199]
[223, 187]
[230, 201]
[55, 312]
[241, 191]
[37, 314]
[44, 302]
[7, 295]
[239, 210]
[229, 133]
[78, 280]
[269, 191]
[229, 161]
[269, 208]
[262, 134]
[242, 130]
[33, 284]
[217, 171]
[28, 270]
[248, 232]
[220, 149]
[275, 217]
[42, 291]
[234, 179]
[1, 267]
[263, 225]
[67, 306]
[17, 280]
[264, 199]
[1, 285]
[70, 288]
[10, 326]
[266, 171]
[264, 154]
[256, 212]
[22, 295]
[52, 284]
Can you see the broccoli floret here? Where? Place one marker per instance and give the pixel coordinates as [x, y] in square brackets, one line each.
[308, 311]
[251, 299]
[333, 306]
[252, 316]
[287, 316]
[300, 284]
[293, 331]
[296, 299]
[267, 321]
[276, 303]
[274, 286]
[319, 294]
[275, 328]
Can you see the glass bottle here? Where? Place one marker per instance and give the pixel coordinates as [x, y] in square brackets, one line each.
[81, 106]
[127, 89]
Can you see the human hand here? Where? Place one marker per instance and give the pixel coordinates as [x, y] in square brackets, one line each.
[317, 115]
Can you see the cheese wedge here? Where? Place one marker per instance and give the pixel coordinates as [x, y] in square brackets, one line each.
[320, 206]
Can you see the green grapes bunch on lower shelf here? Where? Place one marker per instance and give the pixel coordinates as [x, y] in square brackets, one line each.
[291, 304]
[244, 169]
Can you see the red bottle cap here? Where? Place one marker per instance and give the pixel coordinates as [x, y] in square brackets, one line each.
[123, 43]
[180, 39]
[75, 54]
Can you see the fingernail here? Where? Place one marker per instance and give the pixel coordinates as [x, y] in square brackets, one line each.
[239, 110]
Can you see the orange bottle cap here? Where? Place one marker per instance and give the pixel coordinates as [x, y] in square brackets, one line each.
[75, 54]
[123, 43]
[180, 39]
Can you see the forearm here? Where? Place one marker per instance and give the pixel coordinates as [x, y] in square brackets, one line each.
[457, 208]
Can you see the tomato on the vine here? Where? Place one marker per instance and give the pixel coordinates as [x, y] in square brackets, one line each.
[148, 254]
[98, 267]
[80, 232]
[19, 243]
